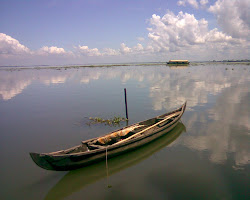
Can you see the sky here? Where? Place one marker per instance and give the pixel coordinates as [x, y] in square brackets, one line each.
[64, 32]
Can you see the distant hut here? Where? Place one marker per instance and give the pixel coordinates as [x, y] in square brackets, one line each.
[178, 62]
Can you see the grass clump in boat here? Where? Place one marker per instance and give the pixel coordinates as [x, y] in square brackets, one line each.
[111, 122]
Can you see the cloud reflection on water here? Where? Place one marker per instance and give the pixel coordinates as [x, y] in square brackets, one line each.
[168, 88]
[225, 131]
[218, 128]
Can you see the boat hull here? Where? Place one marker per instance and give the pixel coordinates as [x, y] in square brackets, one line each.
[66, 162]
[78, 179]
[178, 62]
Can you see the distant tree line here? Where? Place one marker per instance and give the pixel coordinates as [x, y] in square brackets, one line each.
[245, 60]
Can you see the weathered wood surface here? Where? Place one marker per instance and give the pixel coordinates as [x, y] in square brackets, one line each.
[165, 119]
[80, 156]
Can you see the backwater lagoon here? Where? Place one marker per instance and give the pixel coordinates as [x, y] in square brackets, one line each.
[207, 156]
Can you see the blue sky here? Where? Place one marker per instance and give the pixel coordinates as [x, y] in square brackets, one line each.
[96, 31]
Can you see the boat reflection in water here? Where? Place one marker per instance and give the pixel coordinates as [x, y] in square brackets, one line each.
[75, 180]
[178, 66]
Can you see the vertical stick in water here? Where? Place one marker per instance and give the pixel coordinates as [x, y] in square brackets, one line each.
[126, 105]
[107, 169]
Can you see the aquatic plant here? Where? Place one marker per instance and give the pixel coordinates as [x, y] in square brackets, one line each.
[111, 122]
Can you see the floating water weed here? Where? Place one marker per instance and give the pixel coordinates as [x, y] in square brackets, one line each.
[111, 122]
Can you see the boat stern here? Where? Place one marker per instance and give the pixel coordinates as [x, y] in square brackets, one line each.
[40, 160]
[184, 106]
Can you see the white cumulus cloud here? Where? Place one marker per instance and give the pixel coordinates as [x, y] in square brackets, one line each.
[138, 48]
[193, 3]
[124, 49]
[233, 17]
[203, 2]
[85, 50]
[11, 46]
[175, 32]
[179, 32]
[51, 50]
[110, 52]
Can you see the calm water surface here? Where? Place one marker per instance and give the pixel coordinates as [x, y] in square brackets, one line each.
[204, 157]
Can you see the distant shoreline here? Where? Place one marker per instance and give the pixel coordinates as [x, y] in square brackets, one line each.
[222, 62]
[59, 67]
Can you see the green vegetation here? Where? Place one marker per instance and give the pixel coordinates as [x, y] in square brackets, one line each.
[111, 122]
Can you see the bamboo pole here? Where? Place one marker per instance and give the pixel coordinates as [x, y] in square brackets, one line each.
[165, 119]
[126, 104]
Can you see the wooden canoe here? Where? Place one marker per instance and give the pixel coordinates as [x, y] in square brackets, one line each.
[78, 179]
[112, 144]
